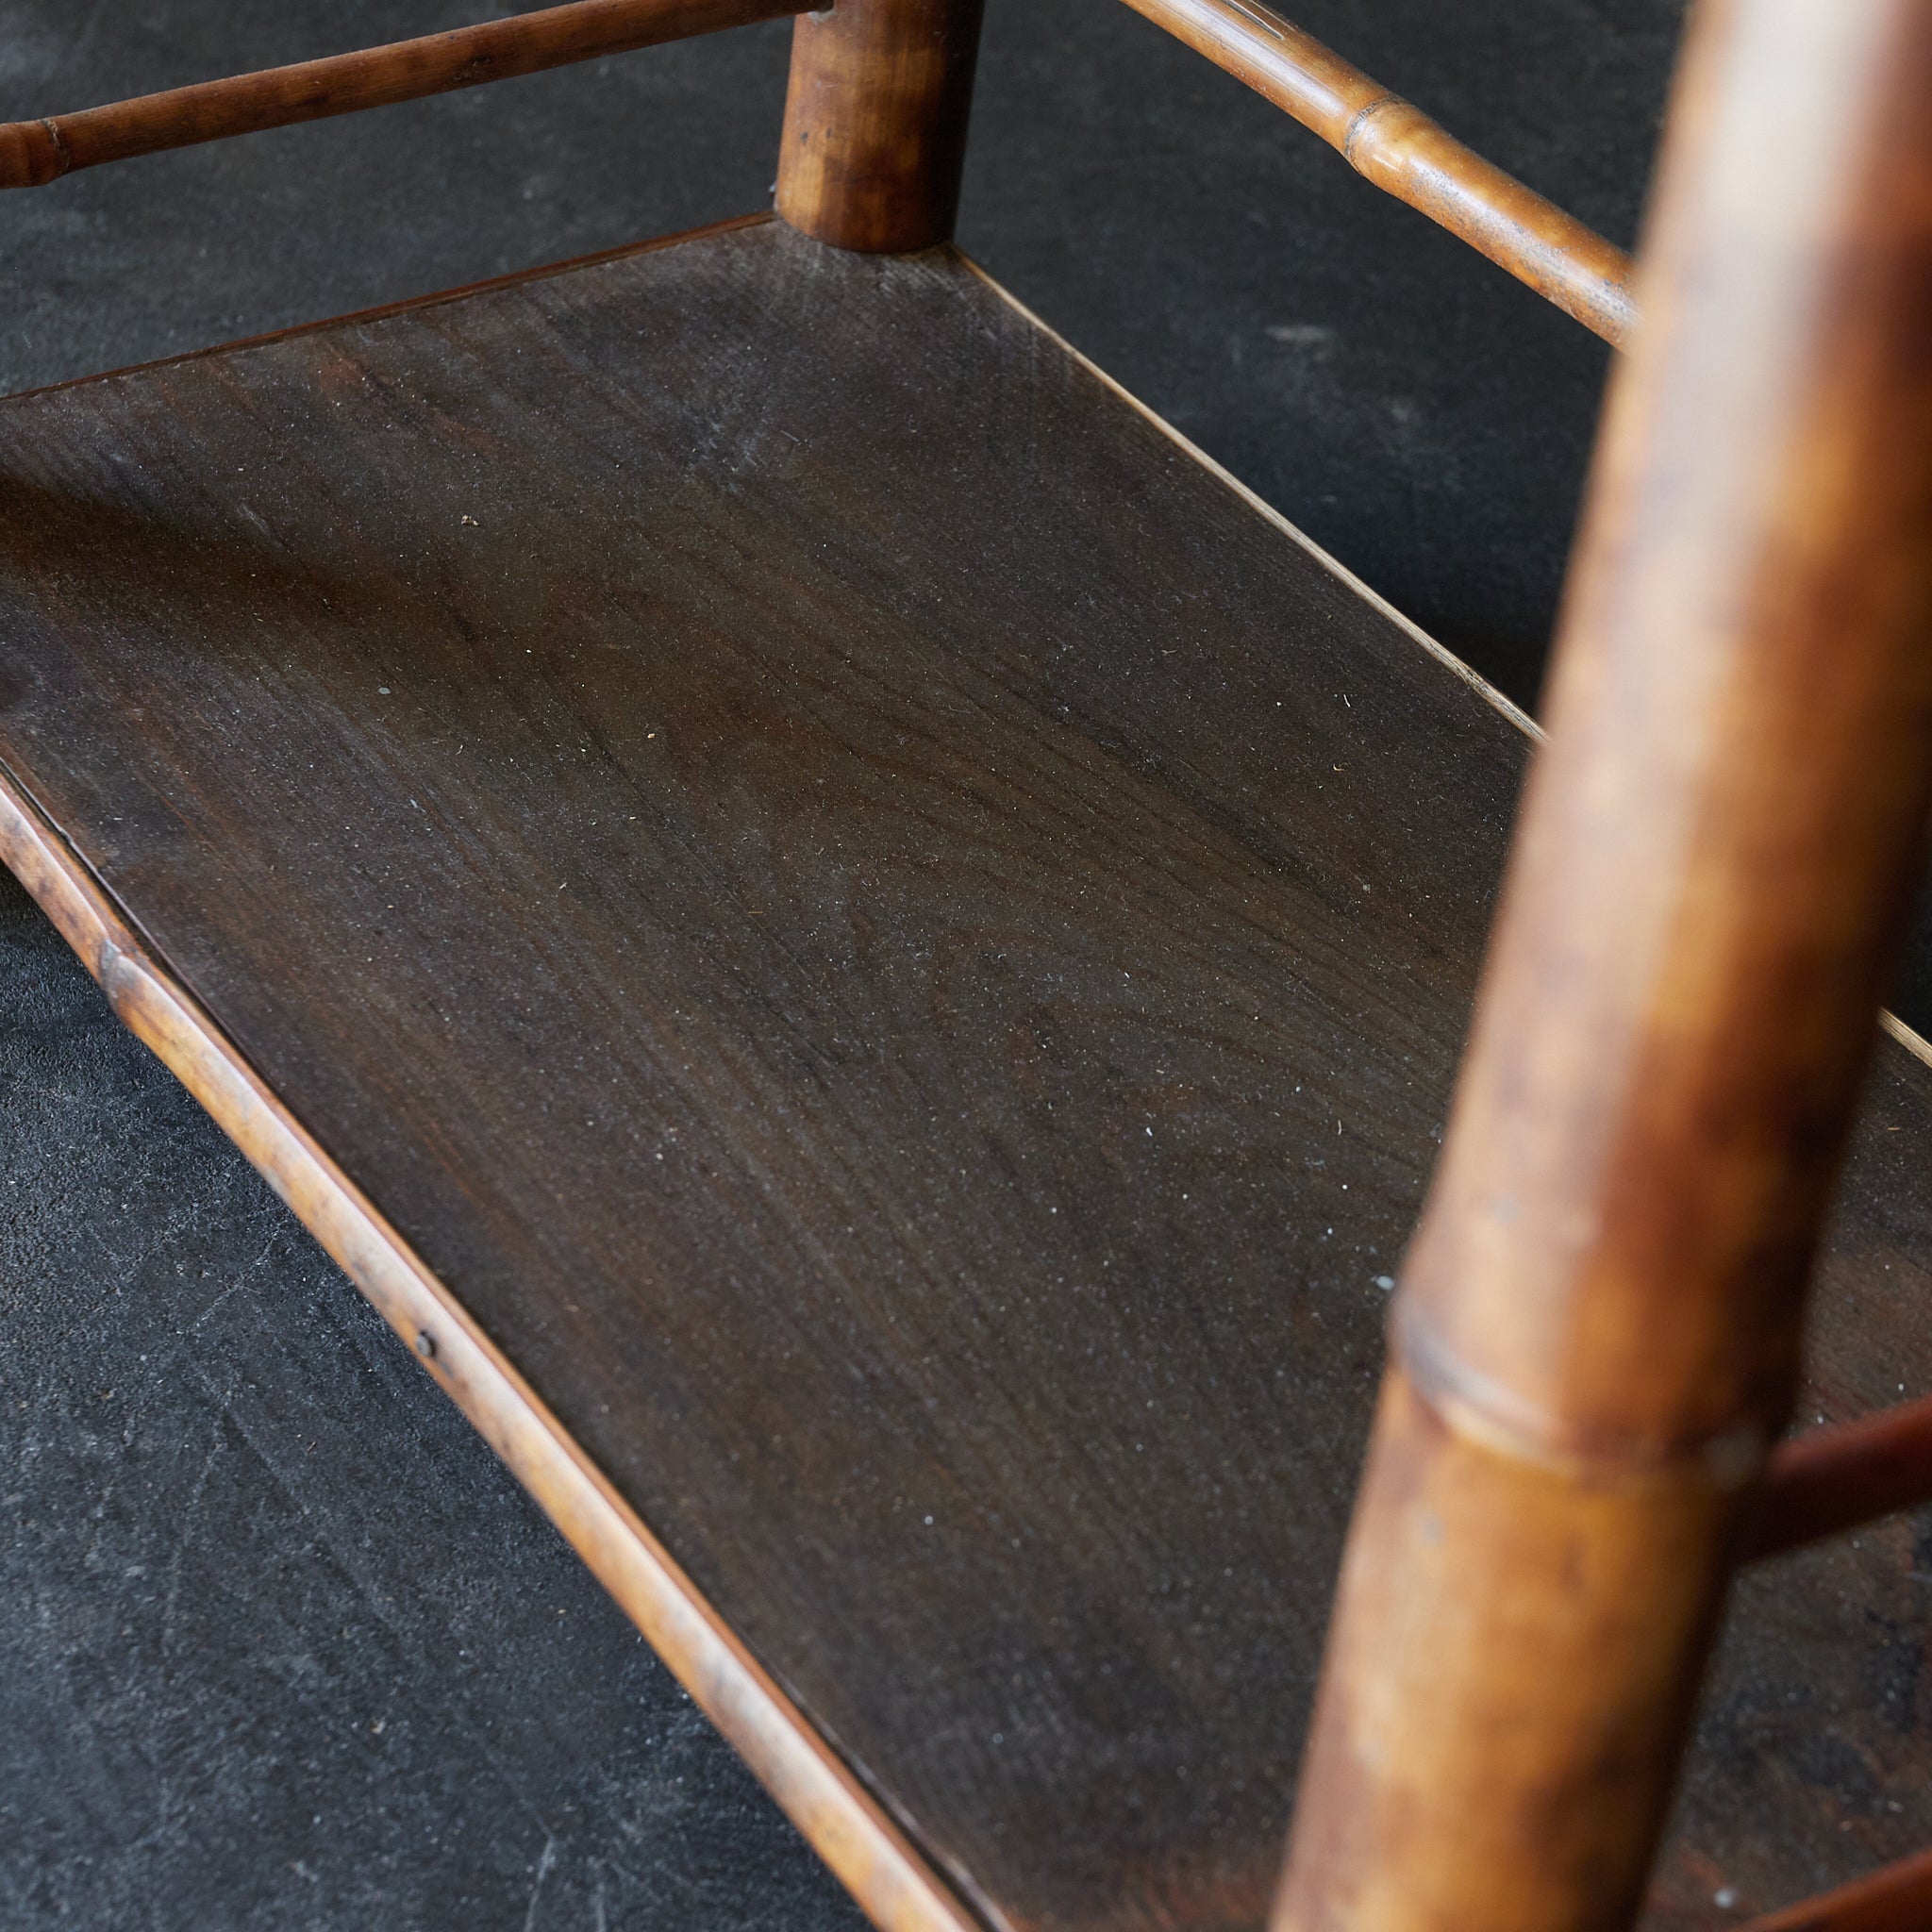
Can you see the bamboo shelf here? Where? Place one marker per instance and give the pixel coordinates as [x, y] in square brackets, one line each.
[866, 956]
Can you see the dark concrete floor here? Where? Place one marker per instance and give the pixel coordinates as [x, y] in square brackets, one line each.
[283, 1647]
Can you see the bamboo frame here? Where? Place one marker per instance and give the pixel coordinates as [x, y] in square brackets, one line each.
[1898, 1899]
[1574, 1486]
[34, 153]
[1404, 153]
[1597, 1335]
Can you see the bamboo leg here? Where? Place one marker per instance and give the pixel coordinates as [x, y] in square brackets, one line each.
[1597, 1337]
[875, 122]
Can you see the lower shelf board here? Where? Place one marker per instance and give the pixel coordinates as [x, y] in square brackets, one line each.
[866, 956]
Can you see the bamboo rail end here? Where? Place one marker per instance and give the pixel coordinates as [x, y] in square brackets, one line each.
[31, 154]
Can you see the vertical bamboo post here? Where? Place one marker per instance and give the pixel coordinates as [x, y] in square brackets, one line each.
[875, 122]
[1598, 1330]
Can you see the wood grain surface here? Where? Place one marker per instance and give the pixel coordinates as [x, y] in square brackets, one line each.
[899, 946]
[817, 1790]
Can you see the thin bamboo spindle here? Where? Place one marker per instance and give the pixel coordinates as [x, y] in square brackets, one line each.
[1898, 1899]
[1408, 154]
[33, 153]
[1835, 1480]
[1597, 1336]
[875, 122]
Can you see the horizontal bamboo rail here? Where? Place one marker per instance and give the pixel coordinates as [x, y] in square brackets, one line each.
[1837, 1478]
[33, 153]
[1402, 151]
[1898, 1899]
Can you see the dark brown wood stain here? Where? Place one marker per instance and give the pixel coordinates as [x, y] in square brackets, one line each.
[902, 947]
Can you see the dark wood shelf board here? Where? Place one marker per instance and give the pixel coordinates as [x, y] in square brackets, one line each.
[883, 950]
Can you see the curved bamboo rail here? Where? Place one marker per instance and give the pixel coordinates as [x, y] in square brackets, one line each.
[1397, 146]
[34, 153]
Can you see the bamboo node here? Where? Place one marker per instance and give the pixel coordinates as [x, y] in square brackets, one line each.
[32, 153]
[1482, 1410]
[1359, 121]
